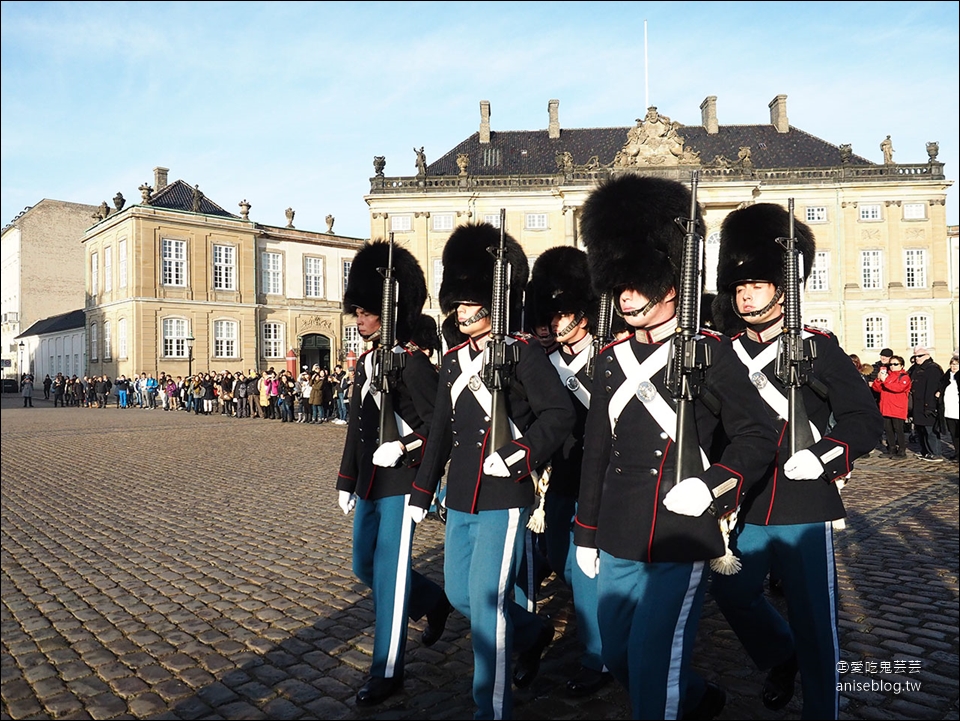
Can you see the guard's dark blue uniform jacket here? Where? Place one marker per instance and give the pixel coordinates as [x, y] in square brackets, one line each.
[537, 404]
[849, 411]
[567, 461]
[413, 398]
[628, 470]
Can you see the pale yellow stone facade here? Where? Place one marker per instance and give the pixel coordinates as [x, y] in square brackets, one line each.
[157, 278]
[886, 273]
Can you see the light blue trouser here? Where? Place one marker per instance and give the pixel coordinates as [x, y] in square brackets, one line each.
[802, 556]
[481, 557]
[382, 540]
[561, 553]
[649, 613]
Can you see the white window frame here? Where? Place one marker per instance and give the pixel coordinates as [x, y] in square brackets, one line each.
[107, 341]
[272, 275]
[437, 277]
[919, 330]
[272, 335]
[122, 338]
[225, 336]
[174, 262]
[915, 270]
[94, 343]
[871, 269]
[914, 211]
[346, 265]
[442, 222]
[313, 270]
[493, 219]
[536, 221]
[174, 338]
[94, 274]
[711, 253]
[870, 212]
[823, 323]
[224, 267]
[107, 270]
[401, 223]
[819, 278]
[874, 332]
[352, 340]
[816, 214]
[122, 263]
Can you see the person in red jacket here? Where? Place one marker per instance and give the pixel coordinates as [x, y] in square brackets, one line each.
[893, 385]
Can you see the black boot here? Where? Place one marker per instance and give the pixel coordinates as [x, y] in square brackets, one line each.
[778, 688]
[436, 621]
[528, 662]
[378, 689]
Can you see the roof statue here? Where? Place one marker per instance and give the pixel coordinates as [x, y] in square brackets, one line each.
[654, 141]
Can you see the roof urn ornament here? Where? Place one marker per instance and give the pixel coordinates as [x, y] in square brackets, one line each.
[245, 209]
[119, 201]
[330, 221]
[379, 163]
[290, 212]
[145, 192]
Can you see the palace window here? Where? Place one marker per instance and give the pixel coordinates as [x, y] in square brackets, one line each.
[94, 274]
[535, 221]
[174, 254]
[272, 340]
[915, 269]
[914, 211]
[870, 212]
[224, 267]
[874, 332]
[122, 263]
[94, 342]
[816, 214]
[871, 269]
[401, 223]
[174, 338]
[819, 278]
[107, 270]
[272, 274]
[107, 350]
[918, 331]
[225, 338]
[493, 219]
[313, 277]
[443, 221]
[122, 338]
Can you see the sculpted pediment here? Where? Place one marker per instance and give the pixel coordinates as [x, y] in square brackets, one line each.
[655, 141]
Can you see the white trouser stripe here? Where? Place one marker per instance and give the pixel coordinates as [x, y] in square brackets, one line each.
[831, 585]
[398, 624]
[502, 664]
[672, 705]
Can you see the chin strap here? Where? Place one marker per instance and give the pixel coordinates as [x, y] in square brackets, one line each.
[479, 315]
[633, 313]
[571, 326]
[754, 313]
[373, 337]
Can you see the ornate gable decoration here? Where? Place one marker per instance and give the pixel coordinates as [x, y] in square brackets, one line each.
[655, 141]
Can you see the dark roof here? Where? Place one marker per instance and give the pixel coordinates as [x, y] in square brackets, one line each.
[54, 324]
[532, 152]
[179, 196]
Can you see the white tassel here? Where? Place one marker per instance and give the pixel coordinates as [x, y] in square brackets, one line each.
[538, 519]
[727, 564]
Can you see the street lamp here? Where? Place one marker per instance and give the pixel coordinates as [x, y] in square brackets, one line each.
[20, 365]
[189, 340]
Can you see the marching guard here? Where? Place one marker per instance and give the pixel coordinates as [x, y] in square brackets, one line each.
[646, 533]
[490, 487]
[786, 520]
[561, 300]
[377, 474]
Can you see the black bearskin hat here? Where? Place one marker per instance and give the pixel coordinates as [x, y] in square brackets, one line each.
[365, 284]
[629, 228]
[560, 283]
[749, 251]
[468, 263]
[425, 334]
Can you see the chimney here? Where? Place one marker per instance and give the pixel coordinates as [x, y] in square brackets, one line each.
[484, 121]
[553, 109]
[778, 114]
[708, 114]
[160, 178]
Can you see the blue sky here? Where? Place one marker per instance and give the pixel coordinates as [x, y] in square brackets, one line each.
[286, 104]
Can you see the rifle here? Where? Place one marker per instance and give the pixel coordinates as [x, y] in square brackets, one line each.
[686, 365]
[603, 336]
[499, 357]
[794, 357]
[386, 363]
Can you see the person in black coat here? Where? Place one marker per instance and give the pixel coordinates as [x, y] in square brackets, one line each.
[925, 393]
[490, 484]
[377, 474]
[786, 522]
[647, 532]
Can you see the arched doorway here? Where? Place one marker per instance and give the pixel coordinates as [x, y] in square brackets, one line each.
[315, 349]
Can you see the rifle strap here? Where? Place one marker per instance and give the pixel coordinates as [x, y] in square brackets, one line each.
[470, 370]
[771, 395]
[639, 386]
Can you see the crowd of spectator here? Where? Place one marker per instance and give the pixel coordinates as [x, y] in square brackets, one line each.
[314, 396]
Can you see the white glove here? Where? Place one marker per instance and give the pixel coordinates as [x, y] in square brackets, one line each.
[589, 561]
[387, 455]
[415, 513]
[347, 501]
[494, 466]
[803, 466]
[690, 497]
